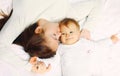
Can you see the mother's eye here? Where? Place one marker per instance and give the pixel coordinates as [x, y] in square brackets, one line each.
[63, 34]
[54, 34]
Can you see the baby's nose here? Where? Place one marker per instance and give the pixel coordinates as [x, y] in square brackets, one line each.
[67, 35]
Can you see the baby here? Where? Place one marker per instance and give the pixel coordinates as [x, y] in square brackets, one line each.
[78, 54]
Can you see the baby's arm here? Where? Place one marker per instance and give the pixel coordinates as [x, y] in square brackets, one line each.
[86, 34]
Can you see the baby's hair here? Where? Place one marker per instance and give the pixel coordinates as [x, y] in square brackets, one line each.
[67, 21]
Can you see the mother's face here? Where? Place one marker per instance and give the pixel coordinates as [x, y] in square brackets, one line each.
[52, 34]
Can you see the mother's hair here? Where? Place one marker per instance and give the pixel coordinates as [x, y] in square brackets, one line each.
[34, 44]
[25, 36]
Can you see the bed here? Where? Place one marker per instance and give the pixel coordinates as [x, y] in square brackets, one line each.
[101, 26]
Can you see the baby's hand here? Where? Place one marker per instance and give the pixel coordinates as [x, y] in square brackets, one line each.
[115, 38]
[41, 68]
[85, 34]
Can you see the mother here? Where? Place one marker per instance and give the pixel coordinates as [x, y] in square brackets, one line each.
[22, 17]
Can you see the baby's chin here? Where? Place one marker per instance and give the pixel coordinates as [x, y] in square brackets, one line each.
[69, 42]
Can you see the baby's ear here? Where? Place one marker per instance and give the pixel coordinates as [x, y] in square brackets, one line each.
[33, 60]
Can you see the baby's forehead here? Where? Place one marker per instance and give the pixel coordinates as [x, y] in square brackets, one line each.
[70, 25]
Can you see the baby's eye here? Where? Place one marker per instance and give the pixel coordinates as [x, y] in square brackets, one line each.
[71, 32]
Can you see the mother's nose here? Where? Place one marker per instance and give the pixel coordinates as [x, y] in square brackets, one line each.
[58, 34]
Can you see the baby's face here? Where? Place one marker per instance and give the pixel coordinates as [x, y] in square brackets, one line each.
[70, 34]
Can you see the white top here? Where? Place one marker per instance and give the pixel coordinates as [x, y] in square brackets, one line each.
[81, 58]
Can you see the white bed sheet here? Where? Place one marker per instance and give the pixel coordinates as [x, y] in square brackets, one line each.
[109, 22]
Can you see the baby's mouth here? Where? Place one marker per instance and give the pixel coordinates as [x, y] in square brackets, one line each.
[69, 38]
